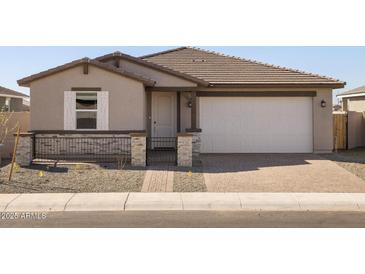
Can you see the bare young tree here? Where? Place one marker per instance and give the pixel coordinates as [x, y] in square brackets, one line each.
[5, 127]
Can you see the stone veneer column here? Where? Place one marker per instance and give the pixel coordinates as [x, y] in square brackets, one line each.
[185, 149]
[196, 143]
[138, 149]
[24, 152]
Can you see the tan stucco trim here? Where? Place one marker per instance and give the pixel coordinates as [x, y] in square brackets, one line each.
[257, 94]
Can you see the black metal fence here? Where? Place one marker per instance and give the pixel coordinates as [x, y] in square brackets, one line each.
[83, 148]
[161, 150]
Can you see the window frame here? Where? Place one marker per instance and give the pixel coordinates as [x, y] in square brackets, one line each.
[86, 110]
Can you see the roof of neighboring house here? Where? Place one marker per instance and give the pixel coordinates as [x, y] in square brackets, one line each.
[360, 91]
[220, 69]
[11, 93]
[26, 81]
[152, 65]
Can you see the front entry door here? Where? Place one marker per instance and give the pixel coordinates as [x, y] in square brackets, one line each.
[163, 114]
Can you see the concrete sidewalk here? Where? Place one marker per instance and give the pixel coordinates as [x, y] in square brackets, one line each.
[75, 202]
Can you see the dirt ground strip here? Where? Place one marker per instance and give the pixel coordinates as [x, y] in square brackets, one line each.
[71, 178]
[351, 160]
[189, 179]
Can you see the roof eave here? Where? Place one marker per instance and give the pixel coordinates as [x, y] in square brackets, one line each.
[349, 95]
[13, 93]
[25, 82]
[13, 96]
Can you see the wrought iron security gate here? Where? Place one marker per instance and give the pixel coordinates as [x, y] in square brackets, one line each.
[161, 150]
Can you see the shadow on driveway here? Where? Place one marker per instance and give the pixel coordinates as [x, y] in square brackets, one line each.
[217, 163]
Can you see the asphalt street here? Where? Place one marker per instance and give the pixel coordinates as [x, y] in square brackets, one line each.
[188, 219]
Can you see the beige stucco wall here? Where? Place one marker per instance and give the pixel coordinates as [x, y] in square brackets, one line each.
[162, 79]
[356, 104]
[185, 118]
[127, 98]
[356, 129]
[322, 122]
[356, 121]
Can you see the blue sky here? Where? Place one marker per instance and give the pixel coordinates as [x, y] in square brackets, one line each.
[344, 63]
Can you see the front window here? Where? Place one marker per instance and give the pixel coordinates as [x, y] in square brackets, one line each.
[86, 110]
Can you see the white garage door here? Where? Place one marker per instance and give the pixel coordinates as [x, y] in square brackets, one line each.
[256, 124]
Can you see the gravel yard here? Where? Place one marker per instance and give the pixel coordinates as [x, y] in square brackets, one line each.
[352, 160]
[189, 180]
[71, 178]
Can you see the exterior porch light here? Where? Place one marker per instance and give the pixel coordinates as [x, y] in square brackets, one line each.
[323, 103]
[190, 104]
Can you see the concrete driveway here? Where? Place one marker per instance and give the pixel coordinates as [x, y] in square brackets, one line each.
[276, 173]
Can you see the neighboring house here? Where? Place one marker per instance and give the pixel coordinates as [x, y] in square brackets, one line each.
[353, 100]
[16, 108]
[239, 105]
[11, 100]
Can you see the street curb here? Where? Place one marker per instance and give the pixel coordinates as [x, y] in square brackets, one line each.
[202, 201]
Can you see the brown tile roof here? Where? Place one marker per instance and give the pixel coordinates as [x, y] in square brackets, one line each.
[152, 65]
[25, 81]
[11, 92]
[353, 91]
[220, 69]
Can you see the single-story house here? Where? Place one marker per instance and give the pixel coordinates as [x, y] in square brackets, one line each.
[353, 100]
[11, 100]
[237, 105]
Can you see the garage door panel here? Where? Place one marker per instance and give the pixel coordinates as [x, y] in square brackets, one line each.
[256, 125]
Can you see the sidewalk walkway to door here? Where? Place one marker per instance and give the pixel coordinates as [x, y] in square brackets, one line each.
[158, 179]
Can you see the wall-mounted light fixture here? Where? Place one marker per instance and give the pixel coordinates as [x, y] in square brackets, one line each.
[323, 103]
[190, 104]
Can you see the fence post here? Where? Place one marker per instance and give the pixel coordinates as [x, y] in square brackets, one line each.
[138, 149]
[185, 149]
[24, 152]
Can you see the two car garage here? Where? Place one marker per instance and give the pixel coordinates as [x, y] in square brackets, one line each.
[256, 124]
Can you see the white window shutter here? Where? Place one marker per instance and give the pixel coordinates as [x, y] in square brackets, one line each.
[103, 110]
[69, 110]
